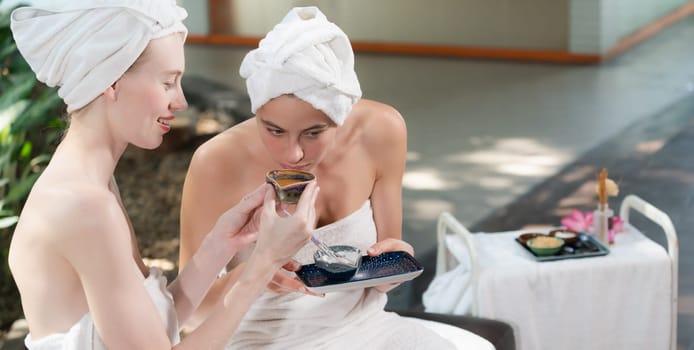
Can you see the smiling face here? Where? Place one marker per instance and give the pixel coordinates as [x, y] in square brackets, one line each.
[148, 94]
[296, 135]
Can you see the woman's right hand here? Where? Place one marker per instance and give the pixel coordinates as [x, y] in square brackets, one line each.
[280, 237]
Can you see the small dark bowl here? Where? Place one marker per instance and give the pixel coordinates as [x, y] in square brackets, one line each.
[524, 238]
[569, 236]
[339, 271]
[289, 184]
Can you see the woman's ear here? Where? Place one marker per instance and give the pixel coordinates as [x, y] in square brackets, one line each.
[111, 92]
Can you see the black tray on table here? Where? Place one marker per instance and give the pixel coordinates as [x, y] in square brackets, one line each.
[586, 246]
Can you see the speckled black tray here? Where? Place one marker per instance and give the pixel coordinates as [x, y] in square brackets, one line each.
[389, 267]
[585, 247]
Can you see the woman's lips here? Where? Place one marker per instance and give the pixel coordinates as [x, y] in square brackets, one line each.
[164, 122]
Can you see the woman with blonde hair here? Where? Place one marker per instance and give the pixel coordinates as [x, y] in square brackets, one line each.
[74, 256]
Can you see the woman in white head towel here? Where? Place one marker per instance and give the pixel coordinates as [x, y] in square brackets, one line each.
[74, 256]
[309, 116]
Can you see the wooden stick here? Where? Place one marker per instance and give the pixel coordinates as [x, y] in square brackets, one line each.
[602, 188]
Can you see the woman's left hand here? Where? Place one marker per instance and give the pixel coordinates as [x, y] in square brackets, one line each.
[389, 245]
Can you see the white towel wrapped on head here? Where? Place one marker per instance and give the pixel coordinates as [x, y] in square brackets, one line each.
[309, 57]
[83, 47]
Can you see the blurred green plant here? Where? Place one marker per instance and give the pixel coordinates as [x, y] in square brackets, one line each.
[30, 126]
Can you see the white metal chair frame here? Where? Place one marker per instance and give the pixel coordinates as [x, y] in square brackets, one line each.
[447, 221]
[659, 217]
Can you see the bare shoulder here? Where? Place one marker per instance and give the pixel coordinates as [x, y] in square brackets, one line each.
[219, 156]
[381, 125]
[71, 220]
[74, 209]
[378, 113]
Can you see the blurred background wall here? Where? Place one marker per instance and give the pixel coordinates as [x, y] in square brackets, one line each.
[579, 26]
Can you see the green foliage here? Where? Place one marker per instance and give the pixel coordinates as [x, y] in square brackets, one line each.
[30, 126]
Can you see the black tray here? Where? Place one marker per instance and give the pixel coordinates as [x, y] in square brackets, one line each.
[586, 246]
[389, 267]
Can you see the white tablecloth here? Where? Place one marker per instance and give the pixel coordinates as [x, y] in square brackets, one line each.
[617, 301]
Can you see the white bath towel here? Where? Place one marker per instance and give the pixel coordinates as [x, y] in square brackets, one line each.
[353, 319]
[83, 47]
[83, 336]
[308, 56]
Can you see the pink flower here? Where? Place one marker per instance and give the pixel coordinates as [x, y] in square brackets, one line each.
[616, 227]
[578, 221]
[583, 222]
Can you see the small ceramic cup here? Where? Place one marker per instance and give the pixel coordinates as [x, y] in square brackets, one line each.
[345, 268]
[288, 183]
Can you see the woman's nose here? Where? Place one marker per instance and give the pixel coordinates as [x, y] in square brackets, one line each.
[179, 103]
[295, 153]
